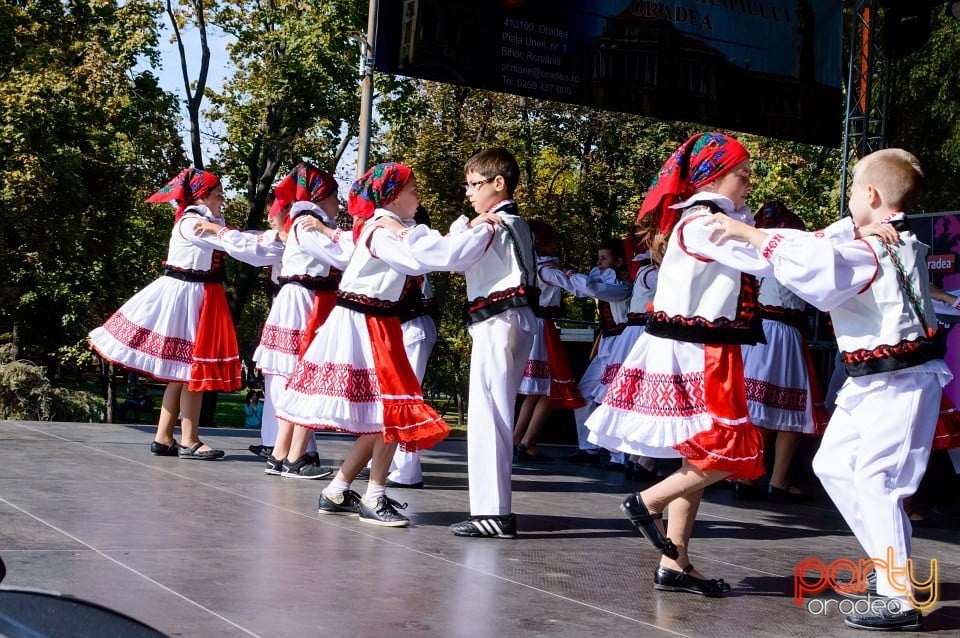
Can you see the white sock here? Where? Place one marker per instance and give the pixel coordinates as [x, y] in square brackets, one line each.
[336, 487]
[374, 492]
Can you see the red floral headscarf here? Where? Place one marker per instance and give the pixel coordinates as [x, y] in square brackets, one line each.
[699, 161]
[304, 183]
[188, 186]
[376, 188]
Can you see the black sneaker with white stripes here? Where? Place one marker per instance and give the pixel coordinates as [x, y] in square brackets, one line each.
[306, 467]
[487, 527]
[274, 466]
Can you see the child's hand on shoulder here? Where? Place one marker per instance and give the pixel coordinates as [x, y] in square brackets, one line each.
[312, 223]
[390, 224]
[939, 294]
[725, 227]
[882, 231]
[203, 227]
[489, 218]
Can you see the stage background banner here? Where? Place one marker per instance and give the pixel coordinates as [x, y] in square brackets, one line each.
[769, 67]
[941, 231]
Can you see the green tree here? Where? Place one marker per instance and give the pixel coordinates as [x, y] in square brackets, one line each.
[925, 108]
[294, 95]
[84, 138]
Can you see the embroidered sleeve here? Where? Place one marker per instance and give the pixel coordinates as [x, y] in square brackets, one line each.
[820, 272]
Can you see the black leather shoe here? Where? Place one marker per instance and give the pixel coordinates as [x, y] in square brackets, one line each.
[645, 523]
[263, 451]
[161, 449]
[785, 495]
[892, 616]
[523, 456]
[410, 486]
[670, 580]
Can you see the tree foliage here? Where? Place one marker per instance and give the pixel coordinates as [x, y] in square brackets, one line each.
[83, 139]
[293, 95]
[86, 135]
[925, 112]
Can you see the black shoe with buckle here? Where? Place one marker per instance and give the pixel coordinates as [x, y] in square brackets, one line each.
[274, 466]
[382, 512]
[645, 523]
[891, 615]
[487, 527]
[261, 450]
[161, 449]
[671, 580]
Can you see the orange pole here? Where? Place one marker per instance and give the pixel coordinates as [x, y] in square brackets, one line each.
[864, 59]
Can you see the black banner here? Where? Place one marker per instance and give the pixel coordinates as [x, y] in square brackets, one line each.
[770, 67]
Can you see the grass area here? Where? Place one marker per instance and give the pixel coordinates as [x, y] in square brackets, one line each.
[229, 412]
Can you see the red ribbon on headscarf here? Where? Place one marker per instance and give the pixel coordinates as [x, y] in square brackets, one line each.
[188, 186]
[700, 160]
[304, 183]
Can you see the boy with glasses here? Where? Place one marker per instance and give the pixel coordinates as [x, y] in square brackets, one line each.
[501, 292]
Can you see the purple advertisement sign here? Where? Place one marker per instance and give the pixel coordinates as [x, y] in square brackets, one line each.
[941, 232]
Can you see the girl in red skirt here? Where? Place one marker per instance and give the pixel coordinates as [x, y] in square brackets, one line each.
[680, 392]
[178, 329]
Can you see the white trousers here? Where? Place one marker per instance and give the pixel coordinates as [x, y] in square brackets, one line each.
[497, 360]
[273, 386]
[873, 455]
[419, 337]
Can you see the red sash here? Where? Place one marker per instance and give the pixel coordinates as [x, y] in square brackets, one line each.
[216, 358]
[733, 444]
[820, 415]
[406, 418]
[564, 392]
[323, 303]
[947, 434]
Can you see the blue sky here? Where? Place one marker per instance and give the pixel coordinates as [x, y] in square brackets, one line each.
[171, 79]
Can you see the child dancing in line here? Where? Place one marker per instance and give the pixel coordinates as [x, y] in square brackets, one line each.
[309, 276]
[178, 329]
[783, 392]
[356, 376]
[547, 380]
[875, 449]
[680, 391]
[608, 283]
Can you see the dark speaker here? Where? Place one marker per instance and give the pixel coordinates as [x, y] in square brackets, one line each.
[27, 613]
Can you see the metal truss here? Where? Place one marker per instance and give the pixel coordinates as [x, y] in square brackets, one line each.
[868, 90]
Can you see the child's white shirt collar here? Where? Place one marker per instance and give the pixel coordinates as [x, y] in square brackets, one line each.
[725, 203]
[383, 212]
[204, 212]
